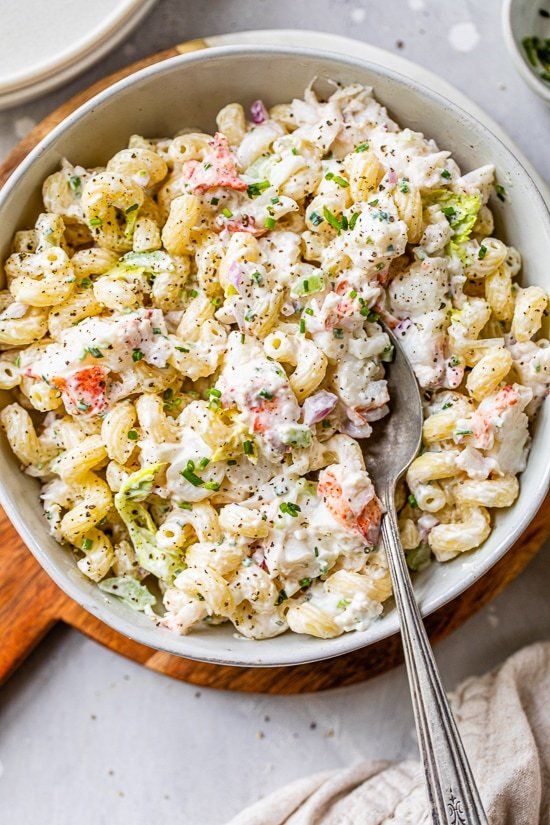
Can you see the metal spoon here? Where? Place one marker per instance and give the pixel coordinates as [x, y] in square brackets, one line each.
[453, 796]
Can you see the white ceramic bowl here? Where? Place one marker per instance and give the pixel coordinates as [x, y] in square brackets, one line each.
[189, 90]
[521, 18]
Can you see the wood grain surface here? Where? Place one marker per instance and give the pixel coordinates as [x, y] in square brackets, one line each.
[30, 603]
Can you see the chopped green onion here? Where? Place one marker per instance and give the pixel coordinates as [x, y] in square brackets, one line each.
[338, 332]
[266, 394]
[305, 582]
[501, 192]
[255, 189]
[412, 501]
[133, 435]
[248, 447]
[184, 505]
[353, 220]
[281, 597]
[308, 311]
[315, 219]
[404, 186]
[270, 223]
[215, 201]
[331, 218]
[212, 485]
[132, 208]
[75, 184]
[190, 476]
[363, 147]
[95, 352]
[482, 252]
[96, 222]
[289, 508]
[446, 174]
[302, 326]
[137, 355]
[87, 544]
[227, 213]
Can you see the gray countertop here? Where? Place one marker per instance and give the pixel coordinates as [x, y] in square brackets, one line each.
[87, 737]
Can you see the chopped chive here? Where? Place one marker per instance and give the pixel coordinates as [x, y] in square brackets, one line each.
[137, 355]
[87, 544]
[95, 352]
[331, 218]
[302, 326]
[266, 394]
[184, 505]
[255, 189]
[482, 252]
[96, 222]
[363, 147]
[501, 192]
[191, 476]
[341, 181]
[446, 174]
[132, 208]
[133, 435]
[308, 311]
[338, 332]
[353, 220]
[305, 582]
[227, 213]
[404, 186]
[181, 349]
[412, 501]
[248, 447]
[75, 183]
[289, 508]
[294, 150]
[85, 283]
[270, 223]
[212, 485]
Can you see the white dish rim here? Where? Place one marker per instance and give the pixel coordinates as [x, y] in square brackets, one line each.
[172, 643]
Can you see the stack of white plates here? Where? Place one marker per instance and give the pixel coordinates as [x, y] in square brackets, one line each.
[47, 42]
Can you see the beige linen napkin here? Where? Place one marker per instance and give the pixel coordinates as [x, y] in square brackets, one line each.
[504, 719]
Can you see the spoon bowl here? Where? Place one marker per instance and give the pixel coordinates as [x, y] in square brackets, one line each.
[395, 439]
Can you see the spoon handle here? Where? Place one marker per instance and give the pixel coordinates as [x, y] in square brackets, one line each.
[453, 796]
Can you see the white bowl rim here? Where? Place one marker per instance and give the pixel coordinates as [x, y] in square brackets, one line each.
[252, 650]
[541, 88]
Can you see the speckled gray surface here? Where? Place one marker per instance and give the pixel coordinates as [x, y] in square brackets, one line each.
[89, 738]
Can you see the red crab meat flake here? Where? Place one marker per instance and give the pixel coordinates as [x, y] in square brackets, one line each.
[217, 169]
[84, 392]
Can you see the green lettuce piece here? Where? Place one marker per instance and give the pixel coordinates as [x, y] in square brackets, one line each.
[298, 436]
[125, 272]
[419, 558]
[461, 211]
[156, 262]
[128, 590]
[164, 564]
[309, 286]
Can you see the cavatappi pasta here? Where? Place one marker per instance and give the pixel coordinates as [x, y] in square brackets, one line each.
[192, 337]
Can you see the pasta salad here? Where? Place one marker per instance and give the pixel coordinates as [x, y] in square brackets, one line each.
[193, 335]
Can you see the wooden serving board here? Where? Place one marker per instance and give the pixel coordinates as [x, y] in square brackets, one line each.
[30, 602]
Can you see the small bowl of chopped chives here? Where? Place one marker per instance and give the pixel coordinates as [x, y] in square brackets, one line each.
[526, 25]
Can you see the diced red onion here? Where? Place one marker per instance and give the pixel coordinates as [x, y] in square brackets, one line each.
[426, 523]
[318, 406]
[392, 176]
[377, 414]
[235, 275]
[356, 431]
[259, 112]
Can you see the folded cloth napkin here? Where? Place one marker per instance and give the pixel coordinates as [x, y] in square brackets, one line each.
[504, 719]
